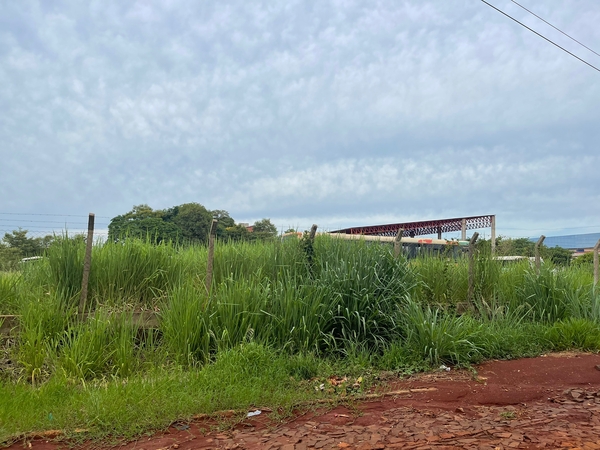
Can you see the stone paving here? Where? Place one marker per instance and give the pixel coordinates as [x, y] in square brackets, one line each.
[570, 420]
[555, 424]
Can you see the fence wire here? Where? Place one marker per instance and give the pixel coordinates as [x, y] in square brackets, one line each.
[42, 225]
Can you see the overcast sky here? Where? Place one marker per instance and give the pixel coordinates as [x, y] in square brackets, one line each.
[340, 113]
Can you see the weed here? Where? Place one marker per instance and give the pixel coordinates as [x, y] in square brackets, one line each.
[508, 415]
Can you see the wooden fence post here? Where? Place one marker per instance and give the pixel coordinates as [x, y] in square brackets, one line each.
[398, 243]
[596, 249]
[538, 262]
[309, 247]
[472, 265]
[493, 237]
[211, 255]
[87, 263]
[313, 232]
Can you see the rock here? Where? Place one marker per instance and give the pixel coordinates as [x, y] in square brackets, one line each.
[576, 394]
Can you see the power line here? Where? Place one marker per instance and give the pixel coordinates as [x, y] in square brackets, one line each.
[81, 226]
[41, 221]
[556, 28]
[542, 36]
[54, 215]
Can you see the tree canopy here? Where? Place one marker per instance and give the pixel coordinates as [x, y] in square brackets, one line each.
[264, 229]
[186, 223]
[145, 223]
[17, 245]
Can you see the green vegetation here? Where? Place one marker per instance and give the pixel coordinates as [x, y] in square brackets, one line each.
[525, 247]
[189, 223]
[17, 245]
[281, 316]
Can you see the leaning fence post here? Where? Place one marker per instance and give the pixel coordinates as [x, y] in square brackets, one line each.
[313, 232]
[398, 243]
[472, 265]
[596, 248]
[211, 254]
[87, 263]
[538, 262]
[309, 246]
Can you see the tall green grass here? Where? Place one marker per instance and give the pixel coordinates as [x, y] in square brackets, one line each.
[439, 336]
[9, 284]
[343, 298]
[43, 321]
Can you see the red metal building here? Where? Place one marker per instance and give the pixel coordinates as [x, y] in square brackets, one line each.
[440, 226]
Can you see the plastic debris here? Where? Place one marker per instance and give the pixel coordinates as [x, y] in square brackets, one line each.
[444, 367]
[254, 413]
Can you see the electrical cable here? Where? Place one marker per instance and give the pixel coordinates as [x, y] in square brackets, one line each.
[542, 36]
[41, 221]
[556, 28]
[54, 215]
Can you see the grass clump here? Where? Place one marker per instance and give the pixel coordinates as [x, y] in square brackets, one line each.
[185, 326]
[439, 337]
[42, 321]
[103, 345]
[574, 333]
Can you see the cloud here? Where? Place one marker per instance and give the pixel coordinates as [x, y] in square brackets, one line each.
[340, 110]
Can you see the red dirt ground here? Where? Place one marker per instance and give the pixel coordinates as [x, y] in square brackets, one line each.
[548, 402]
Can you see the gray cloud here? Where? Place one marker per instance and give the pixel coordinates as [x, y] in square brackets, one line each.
[343, 111]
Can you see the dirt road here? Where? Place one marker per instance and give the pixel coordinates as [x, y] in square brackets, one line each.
[546, 402]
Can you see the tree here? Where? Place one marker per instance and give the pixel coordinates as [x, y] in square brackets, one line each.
[224, 222]
[583, 260]
[187, 223]
[26, 246]
[264, 229]
[193, 221]
[560, 256]
[237, 233]
[142, 222]
[9, 256]
[514, 247]
[18, 239]
[17, 245]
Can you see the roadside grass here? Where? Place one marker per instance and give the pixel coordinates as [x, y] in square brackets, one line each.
[248, 376]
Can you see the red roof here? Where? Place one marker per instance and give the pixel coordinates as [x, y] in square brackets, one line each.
[422, 228]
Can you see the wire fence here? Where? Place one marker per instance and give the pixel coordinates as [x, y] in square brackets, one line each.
[42, 225]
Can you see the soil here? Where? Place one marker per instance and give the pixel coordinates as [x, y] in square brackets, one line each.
[552, 402]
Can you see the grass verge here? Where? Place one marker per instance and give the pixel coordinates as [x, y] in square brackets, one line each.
[241, 378]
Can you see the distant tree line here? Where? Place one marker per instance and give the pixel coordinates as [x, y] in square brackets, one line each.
[525, 247]
[183, 224]
[190, 223]
[17, 245]
[187, 223]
